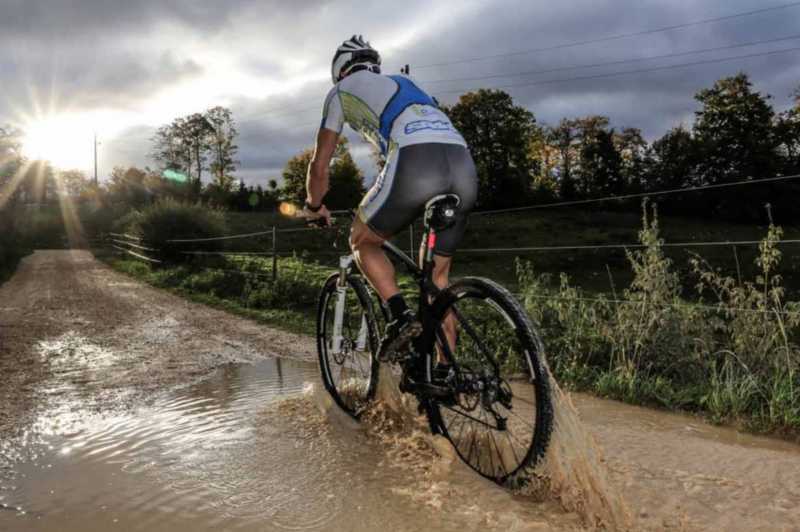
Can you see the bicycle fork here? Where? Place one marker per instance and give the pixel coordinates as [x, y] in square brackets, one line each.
[345, 265]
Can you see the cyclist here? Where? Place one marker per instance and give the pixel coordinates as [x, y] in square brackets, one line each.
[425, 156]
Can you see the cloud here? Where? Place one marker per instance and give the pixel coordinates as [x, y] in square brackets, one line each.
[133, 65]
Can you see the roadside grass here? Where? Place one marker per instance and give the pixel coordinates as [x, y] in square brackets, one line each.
[591, 269]
[730, 353]
[243, 287]
[671, 330]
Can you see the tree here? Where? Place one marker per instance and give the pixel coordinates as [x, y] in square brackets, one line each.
[735, 132]
[599, 162]
[11, 161]
[633, 152]
[787, 130]
[499, 135]
[222, 146]
[563, 138]
[346, 181]
[294, 177]
[672, 161]
[129, 186]
[74, 182]
[168, 150]
[195, 132]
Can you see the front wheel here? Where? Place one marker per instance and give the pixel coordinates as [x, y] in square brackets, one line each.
[500, 415]
[347, 342]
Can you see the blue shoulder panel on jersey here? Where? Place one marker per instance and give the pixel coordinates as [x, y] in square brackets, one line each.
[407, 94]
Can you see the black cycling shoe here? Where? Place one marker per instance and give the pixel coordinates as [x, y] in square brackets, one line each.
[399, 333]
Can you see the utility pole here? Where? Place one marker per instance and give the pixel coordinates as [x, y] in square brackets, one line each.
[95, 160]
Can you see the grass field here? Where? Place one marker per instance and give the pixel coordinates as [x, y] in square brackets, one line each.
[734, 358]
[588, 268]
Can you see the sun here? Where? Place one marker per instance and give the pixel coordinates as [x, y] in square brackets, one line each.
[63, 140]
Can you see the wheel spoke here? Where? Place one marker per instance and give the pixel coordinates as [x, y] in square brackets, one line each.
[464, 414]
[496, 353]
[348, 371]
[475, 338]
[499, 454]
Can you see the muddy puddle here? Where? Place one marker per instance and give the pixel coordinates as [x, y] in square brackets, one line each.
[246, 449]
[258, 447]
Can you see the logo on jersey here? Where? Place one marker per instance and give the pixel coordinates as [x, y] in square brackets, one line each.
[423, 125]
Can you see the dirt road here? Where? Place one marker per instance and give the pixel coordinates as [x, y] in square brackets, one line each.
[140, 409]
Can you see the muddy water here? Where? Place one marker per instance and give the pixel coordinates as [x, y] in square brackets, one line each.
[246, 449]
[251, 448]
[676, 471]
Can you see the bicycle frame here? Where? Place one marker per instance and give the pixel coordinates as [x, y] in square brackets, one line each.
[427, 289]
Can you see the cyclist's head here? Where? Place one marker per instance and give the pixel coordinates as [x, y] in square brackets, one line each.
[353, 55]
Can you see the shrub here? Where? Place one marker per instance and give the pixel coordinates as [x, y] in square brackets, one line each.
[13, 243]
[169, 220]
[735, 356]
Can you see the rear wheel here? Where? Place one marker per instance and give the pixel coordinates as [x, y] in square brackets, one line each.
[500, 416]
[348, 364]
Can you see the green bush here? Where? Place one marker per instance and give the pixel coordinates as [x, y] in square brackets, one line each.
[13, 244]
[169, 220]
[735, 356]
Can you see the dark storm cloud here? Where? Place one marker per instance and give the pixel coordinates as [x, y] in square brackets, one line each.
[652, 101]
[122, 52]
[64, 19]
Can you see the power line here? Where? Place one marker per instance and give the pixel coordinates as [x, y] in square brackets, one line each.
[640, 195]
[525, 208]
[627, 72]
[618, 62]
[612, 37]
[586, 247]
[609, 75]
[602, 76]
[672, 305]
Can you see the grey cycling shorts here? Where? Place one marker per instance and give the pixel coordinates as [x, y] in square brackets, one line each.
[412, 176]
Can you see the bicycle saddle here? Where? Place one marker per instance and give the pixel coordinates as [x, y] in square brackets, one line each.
[440, 211]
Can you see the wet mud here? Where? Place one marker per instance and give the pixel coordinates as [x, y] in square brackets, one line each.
[125, 407]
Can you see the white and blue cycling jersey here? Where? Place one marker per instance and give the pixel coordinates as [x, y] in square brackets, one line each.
[388, 111]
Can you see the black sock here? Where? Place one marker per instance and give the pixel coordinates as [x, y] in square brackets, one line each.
[397, 306]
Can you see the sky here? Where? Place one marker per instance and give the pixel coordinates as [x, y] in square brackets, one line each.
[70, 69]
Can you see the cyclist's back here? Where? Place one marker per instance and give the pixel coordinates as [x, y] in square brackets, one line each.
[425, 154]
[388, 111]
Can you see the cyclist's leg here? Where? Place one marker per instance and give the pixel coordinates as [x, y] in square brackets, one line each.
[464, 183]
[372, 261]
[412, 176]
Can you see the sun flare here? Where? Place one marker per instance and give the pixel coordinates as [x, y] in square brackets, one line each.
[63, 140]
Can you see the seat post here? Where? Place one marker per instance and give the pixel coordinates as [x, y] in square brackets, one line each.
[440, 213]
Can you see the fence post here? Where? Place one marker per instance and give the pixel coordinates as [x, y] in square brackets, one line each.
[738, 266]
[274, 253]
[411, 241]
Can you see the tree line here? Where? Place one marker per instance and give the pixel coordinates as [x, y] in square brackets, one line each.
[736, 135]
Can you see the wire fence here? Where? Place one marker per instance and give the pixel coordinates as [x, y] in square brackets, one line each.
[615, 301]
[133, 246]
[656, 193]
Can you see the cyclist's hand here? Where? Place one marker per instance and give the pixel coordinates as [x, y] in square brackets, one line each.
[320, 218]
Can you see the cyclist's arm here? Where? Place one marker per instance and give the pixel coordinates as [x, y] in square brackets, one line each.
[327, 137]
[318, 169]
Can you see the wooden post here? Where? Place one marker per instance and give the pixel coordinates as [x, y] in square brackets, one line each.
[274, 253]
[411, 241]
[738, 267]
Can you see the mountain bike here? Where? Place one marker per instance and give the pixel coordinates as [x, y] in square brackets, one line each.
[477, 370]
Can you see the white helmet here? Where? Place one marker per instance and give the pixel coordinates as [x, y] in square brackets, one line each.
[353, 53]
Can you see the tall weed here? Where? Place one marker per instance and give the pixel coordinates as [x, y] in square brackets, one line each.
[730, 349]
